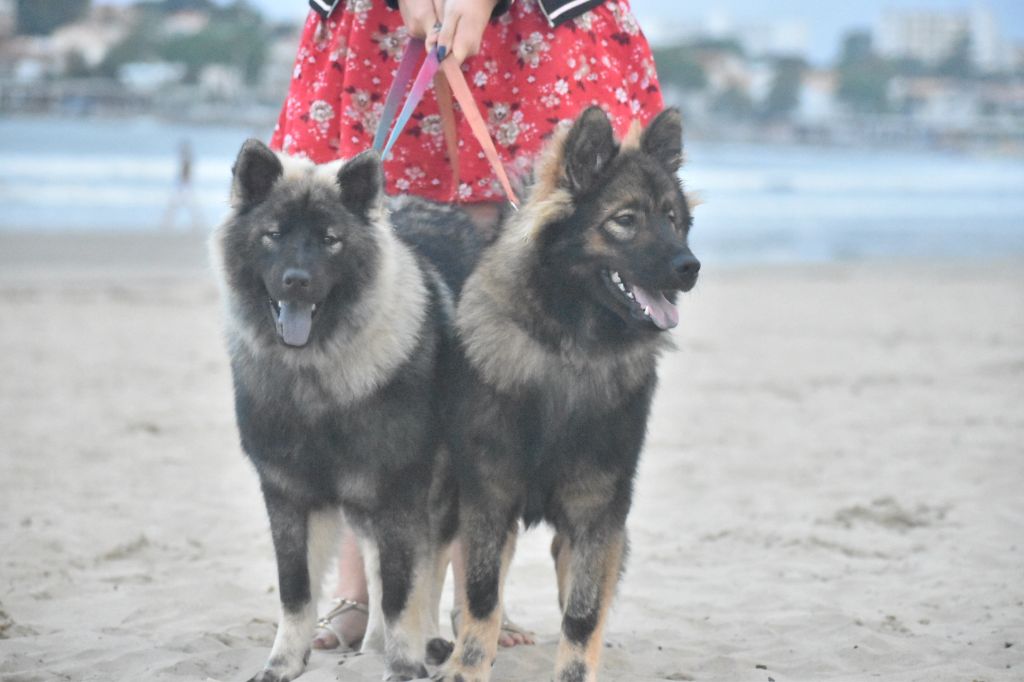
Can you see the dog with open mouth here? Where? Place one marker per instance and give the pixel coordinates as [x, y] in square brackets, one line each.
[337, 334]
[560, 326]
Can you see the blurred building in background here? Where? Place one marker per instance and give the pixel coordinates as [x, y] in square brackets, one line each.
[933, 37]
[948, 78]
[181, 59]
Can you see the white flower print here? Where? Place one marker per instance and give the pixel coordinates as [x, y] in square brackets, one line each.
[364, 111]
[508, 133]
[359, 6]
[550, 101]
[499, 113]
[479, 79]
[585, 21]
[431, 125]
[624, 18]
[621, 95]
[320, 111]
[562, 86]
[391, 43]
[532, 48]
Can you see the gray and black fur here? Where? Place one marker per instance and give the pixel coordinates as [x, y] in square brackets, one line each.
[558, 366]
[338, 334]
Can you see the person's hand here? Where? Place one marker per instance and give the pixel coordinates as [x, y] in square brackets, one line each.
[462, 28]
[422, 18]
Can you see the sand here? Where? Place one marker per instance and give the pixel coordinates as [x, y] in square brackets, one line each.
[831, 489]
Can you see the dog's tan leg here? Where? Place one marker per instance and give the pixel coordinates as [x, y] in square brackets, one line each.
[405, 635]
[594, 568]
[560, 552]
[477, 642]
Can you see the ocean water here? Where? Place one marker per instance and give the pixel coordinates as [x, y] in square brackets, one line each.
[760, 203]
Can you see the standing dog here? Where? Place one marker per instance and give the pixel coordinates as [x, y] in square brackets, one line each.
[561, 324]
[337, 332]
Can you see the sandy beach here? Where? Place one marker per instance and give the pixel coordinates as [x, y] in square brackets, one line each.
[831, 488]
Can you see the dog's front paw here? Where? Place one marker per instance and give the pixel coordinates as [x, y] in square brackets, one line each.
[403, 672]
[280, 670]
[269, 676]
[456, 674]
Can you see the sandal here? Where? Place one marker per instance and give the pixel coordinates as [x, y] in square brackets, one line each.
[511, 634]
[341, 607]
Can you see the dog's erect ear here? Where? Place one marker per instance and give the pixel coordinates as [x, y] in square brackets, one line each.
[663, 139]
[589, 147]
[361, 180]
[255, 172]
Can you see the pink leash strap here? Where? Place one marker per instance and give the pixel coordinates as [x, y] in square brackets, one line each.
[413, 53]
[459, 88]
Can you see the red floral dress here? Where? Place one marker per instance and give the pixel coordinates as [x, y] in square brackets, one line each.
[528, 78]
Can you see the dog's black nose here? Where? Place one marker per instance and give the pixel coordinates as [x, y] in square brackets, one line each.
[295, 279]
[686, 265]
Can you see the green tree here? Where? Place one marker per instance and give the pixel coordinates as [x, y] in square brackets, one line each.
[236, 41]
[784, 96]
[959, 63]
[863, 76]
[235, 36]
[733, 103]
[858, 46]
[678, 66]
[42, 17]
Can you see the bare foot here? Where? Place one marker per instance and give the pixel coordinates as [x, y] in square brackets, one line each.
[510, 635]
[343, 626]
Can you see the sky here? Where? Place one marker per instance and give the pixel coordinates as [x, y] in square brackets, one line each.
[827, 21]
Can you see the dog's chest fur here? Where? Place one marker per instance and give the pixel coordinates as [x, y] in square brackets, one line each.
[492, 321]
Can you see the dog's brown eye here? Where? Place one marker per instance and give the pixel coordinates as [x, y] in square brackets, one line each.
[622, 226]
[625, 220]
[273, 235]
[671, 214]
[330, 240]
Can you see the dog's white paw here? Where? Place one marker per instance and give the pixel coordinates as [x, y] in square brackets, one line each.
[279, 669]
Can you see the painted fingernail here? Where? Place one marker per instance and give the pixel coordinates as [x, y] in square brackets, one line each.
[442, 52]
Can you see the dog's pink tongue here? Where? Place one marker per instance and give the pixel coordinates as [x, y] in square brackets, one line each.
[294, 322]
[663, 314]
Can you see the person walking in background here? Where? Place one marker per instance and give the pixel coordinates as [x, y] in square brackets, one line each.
[532, 65]
[183, 196]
